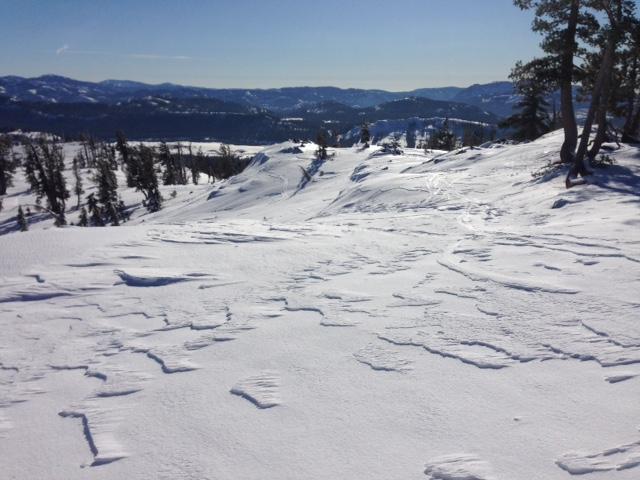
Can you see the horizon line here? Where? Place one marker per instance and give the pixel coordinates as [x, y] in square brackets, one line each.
[244, 88]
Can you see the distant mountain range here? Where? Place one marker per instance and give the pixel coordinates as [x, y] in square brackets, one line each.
[66, 106]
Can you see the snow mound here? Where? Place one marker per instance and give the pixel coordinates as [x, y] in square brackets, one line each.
[261, 389]
[459, 467]
[616, 458]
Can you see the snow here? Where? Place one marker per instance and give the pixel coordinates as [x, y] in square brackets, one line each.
[372, 316]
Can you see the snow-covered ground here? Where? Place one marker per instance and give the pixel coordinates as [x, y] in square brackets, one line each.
[423, 316]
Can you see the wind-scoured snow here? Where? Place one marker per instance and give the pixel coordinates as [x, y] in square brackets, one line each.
[370, 316]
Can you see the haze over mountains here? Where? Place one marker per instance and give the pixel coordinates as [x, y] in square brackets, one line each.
[232, 115]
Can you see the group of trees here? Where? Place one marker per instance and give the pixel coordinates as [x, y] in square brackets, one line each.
[593, 44]
[44, 167]
[443, 138]
[8, 166]
[144, 167]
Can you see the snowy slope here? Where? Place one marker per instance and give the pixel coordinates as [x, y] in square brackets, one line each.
[418, 316]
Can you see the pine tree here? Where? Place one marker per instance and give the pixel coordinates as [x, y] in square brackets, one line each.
[89, 150]
[94, 211]
[7, 164]
[227, 162]
[128, 160]
[22, 221]
[365, 134]
[107, 183]
[170, 174]
[77, 189]
[392, 146]
[473, 136]
[44, 167]
[193, 165]
[83, 220]
[627, 104]
[619, 14]
[443, 138]
[321, 141]
[533, 120]
[201, 165]
[181, 172]
[147, 179]
[410, 135]
[563, 24]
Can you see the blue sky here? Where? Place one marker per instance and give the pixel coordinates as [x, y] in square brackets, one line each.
[393, 45]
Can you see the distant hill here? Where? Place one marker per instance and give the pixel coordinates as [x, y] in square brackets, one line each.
[70, 107]
[52, 88]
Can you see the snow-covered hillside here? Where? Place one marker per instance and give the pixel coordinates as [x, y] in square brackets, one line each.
[372, 316]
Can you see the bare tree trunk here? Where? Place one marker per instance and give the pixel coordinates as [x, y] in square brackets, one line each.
[598, 103]
[579, 167]
[601, 117]
[566, 87]
[601, 134]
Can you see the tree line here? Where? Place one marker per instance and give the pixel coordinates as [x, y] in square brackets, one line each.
[441, 138]
[145, 168]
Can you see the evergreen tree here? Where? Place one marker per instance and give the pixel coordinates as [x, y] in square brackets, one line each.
[227, 162]
[83, 220]
[563, 24]
[473, 136]
[170, 174]
[181, 171]
[410, 136]
[77, 189]
[627, 103]
[7, 164]
[122, 211]
[443, 138]
[533, 120]
[22, 221]
[95, 212]
[44, 167]
[201, 165]
[128, 161]
[88, 151]
[107, 183]
[619, 14]
[365, 134]
[321, 151]
[147, 179]
[193, 165]
[80, 159]
[392, 146]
